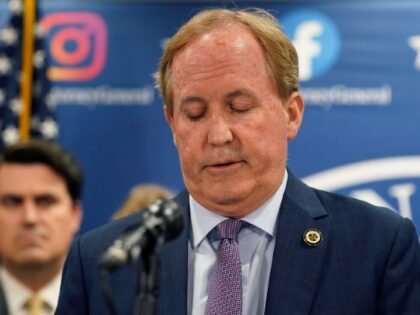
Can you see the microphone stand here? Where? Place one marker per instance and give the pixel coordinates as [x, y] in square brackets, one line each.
[161, 221]
[149, 285]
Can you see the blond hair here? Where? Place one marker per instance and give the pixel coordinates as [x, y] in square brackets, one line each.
[282, 60]
[140, 197]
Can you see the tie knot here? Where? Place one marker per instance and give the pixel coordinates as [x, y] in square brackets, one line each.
[35, 305]
[229, 229]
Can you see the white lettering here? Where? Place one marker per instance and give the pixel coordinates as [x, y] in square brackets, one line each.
[371, 196]
[103, 95]
[340, 95]
[402, 193]
[414, 42]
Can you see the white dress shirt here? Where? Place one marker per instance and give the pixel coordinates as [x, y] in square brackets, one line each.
[256, 248]
[17, 294]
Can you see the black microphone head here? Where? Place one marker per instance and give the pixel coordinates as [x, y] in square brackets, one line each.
[164, 219]
[161, 221]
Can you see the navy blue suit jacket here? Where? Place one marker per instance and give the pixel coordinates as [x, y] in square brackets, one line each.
[367, 263]
[3, 305]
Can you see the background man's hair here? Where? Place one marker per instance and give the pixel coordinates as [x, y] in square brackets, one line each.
[140, 197]
[50, 154]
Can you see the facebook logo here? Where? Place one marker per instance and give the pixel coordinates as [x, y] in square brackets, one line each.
[414, 42]
[316, 39]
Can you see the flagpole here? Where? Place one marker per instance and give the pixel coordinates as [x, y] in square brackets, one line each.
[27, 67]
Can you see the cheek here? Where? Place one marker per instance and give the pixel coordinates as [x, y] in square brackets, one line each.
[276, 126]
[188, 141]
[61, 234]
[187, 156]
[268, 126]
[8, 230]
[267, 138]
[62, 221]
[8, 226]
[183, 146]
[189, 146]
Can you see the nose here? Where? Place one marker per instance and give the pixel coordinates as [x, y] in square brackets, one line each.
[29, 213]
[220, 132]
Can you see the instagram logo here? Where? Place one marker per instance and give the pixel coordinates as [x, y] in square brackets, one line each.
[77, 45]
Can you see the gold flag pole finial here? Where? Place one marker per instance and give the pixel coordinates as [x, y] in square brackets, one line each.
[27, 67]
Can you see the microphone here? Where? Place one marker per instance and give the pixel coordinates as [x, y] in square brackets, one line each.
[161, 221]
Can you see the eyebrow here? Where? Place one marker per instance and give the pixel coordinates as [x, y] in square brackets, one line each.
[191, 99]
[6, 196]
[196, 99]
[240, 92]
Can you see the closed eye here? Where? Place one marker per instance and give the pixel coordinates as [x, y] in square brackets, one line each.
[240, 101]
[240, 108]
[194, 108]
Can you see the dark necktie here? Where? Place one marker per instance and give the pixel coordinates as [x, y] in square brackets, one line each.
[225, 286]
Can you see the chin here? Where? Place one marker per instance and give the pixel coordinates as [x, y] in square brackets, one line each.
[225, 200]
[33, 259]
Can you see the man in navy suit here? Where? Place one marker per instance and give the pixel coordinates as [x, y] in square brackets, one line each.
[229, 80]
[40, 211]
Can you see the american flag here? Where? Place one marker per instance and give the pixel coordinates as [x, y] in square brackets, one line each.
[43, 123]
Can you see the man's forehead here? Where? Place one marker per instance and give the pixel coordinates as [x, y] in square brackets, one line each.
[233, 32]
[236, 48]
[224, 36]
[28, 174]
[25, 167]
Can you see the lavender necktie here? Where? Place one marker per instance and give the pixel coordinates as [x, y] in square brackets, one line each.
[225, 286]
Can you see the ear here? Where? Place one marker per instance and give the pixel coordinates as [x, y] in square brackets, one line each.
[77, 216]
[295, 108]
[169, 117]
[170, 120]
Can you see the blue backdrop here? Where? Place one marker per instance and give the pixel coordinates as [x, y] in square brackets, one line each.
[360, 76]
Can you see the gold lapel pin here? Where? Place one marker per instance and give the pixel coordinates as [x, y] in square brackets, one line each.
[312, 237]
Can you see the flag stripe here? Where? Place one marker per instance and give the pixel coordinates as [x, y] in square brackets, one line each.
[40, 118]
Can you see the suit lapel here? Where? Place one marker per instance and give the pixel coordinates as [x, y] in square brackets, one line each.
[174, 268]
[173, 256]
[3, 305]
[297, 267]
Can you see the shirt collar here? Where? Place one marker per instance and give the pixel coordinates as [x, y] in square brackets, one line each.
[16, 293]
[265, 217]
[51, 291]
